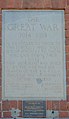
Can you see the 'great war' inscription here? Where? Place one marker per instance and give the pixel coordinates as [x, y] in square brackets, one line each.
[34, 54]
[26, 29]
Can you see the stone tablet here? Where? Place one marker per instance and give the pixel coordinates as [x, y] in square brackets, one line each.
[34, 109]
[33, 54]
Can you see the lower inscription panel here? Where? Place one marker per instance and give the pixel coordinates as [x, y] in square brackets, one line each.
[34, 109]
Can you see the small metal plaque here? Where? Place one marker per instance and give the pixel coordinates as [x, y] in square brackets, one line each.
[33, 109]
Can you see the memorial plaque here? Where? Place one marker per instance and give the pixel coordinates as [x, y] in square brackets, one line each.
[35, 109]
[33, 54]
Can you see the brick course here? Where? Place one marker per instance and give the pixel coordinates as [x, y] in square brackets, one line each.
[64, 114]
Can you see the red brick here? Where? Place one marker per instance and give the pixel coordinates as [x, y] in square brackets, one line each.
[67, 41]
[0, 81]
[3, 3]
[18, 3]
[67, 73]
[6, 105]
[0, 42]
[63, 105]
[67, 90]
[0, 66]
[0, 11]
[0, 18]
[6, 114]
[67, 25]
[10, 3]
[0, 114]
[0, 50]
[0, 70]
[13, 104]
[19, 105]
[67, 57]
[68, 106]
[67, 10]
[0, 33]
[20, 114]
[47, 4]
[1, 60]
[55, 105]
[59, 4]
[67, 48]
[62, 3]
[0, 3]
[67, 65]
[0, 106]
[55, 3]
[0, 26]
[49, 105]
[0, 23]
[34, 3]
[67, 17]
[0, 73]
[63, 114]
[67, 33]
[0, 93]
[67, 2]
[67, 98]
[67, 80]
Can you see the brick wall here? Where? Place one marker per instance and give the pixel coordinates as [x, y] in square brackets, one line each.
[61, 106]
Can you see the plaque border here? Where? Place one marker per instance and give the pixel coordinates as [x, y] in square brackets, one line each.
[3, 58]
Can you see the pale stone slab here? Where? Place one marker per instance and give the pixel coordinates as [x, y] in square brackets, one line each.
[33, 54]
